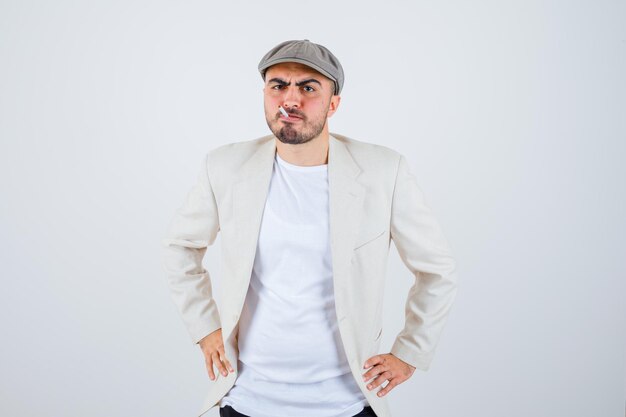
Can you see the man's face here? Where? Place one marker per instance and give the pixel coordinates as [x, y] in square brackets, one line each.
[305, 94]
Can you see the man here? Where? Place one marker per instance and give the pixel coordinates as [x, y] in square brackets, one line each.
[306, 219]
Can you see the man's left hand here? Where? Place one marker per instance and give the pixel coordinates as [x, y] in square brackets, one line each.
[386, 367]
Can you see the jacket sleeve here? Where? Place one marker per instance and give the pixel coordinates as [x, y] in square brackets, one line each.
[194, 227]
[424, 250]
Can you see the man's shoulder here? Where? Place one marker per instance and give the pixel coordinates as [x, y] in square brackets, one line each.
[231, 156]
[239, 148]
[368, 152]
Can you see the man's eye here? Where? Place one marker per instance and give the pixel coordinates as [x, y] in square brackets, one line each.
[277, 87]
[309, 87]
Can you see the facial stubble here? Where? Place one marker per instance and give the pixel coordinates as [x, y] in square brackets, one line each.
[287, 133]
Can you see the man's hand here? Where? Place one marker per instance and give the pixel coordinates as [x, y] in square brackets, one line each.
[387, 367]
[212, 346]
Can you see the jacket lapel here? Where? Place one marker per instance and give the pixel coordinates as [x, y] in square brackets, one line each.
[345, 210]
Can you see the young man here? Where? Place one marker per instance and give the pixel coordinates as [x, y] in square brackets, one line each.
[306, 219]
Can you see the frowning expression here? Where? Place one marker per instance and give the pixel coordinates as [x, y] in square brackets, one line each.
[305, 94]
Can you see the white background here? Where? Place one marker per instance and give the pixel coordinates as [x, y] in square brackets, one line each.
[511, 115]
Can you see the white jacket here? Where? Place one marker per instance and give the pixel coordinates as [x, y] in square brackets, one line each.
[373, 199]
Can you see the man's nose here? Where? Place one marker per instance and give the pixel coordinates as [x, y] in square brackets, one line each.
[292, 97]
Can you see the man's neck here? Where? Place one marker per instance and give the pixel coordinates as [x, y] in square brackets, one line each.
[311, 153]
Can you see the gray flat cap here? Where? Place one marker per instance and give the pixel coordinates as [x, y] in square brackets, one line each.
[308, 53]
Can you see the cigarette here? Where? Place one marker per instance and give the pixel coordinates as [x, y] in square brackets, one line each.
[283, 111]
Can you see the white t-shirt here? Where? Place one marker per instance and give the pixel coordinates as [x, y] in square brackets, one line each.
[291, 359]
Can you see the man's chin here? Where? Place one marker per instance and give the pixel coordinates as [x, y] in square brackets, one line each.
[290, 140]
[289, 136]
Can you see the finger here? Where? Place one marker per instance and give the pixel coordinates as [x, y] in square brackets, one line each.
[209, 367]
[388, 387]
[218, 364]
[228, 365]
[378, 381]
[378, 369]
[372, 361]
[224, 359]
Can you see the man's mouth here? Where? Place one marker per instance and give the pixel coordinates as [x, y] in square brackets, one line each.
[290, 118]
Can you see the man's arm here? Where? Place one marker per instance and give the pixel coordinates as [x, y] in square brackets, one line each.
[194, 227]
[424, 250]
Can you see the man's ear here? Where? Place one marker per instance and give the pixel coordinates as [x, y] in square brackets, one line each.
[333, 105]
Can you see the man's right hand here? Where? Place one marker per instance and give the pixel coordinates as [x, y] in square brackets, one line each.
[212, 347]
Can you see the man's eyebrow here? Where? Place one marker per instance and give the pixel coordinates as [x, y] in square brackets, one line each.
[298, 84]
[310, 80]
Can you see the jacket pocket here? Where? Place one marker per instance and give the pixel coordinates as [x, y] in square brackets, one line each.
[362, 241]
[380, 332]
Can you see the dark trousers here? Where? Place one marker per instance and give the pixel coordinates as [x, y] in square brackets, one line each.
[228, 411]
